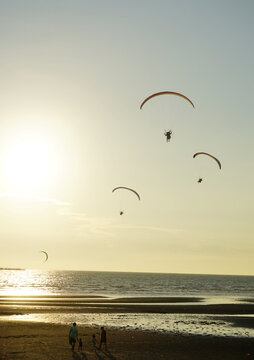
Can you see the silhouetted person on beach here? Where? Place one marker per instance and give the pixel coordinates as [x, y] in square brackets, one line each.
[103, 338]
[94, 341]
[73, 334]
[80, 344]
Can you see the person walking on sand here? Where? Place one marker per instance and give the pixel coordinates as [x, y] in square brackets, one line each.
[73, 334]
[103, 338]
[80, 344]
[94, 341]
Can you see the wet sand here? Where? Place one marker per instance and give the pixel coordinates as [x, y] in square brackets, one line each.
[160, 309]
[33, 340]
[84, 304]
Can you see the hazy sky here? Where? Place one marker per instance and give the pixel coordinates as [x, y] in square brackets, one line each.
[73, 75]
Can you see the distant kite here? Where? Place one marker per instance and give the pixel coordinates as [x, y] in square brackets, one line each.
[166, 93]
[46, 254]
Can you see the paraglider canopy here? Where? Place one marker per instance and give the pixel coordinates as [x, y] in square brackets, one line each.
[211, 156]
[46, 255]
[126, 188]
[121, 212]
[166, 93]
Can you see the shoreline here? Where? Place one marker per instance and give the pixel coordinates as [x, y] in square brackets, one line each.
[175, 318]
[31, 341]
[36, 328]
[168, 305]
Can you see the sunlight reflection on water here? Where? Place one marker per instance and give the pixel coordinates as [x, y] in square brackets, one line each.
[64, 286]
[38, 282]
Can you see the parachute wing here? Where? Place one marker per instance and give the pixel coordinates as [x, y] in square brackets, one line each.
[126, 188]
[46, 254]
[166, 93]
[213, 157]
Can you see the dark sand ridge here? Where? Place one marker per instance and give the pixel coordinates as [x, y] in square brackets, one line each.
[100, 299]
[36, 341]
[30, 305]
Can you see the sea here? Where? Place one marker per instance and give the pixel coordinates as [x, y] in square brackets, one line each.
[207, 289]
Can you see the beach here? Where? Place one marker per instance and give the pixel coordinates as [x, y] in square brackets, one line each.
[33, 339]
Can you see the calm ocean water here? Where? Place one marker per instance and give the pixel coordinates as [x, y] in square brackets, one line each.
[35, 282]
[213, 288]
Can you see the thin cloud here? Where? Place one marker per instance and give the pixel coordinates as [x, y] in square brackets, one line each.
[81, 222]
[106, 226]
[95, 225]
[152, 228]
[36, 198]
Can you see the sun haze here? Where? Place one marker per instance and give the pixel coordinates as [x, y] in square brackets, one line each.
[73, 78]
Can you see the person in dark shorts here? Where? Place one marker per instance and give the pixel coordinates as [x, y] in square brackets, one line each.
[103, 338]
[73, 334]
